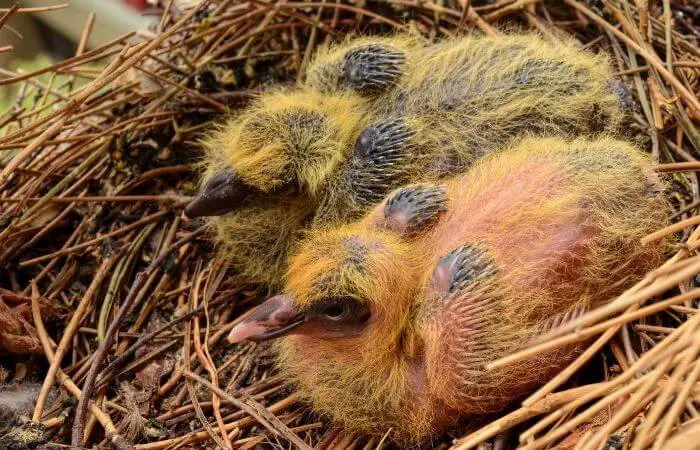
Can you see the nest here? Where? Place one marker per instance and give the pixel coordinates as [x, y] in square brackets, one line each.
[107, 294]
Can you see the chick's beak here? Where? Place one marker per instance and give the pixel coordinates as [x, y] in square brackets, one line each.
[276, 317]
[223, 193]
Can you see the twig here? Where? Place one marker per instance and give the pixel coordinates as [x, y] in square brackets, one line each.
[101, 353]
[38, 9]
[255, 410]
[652, 59]
[104, 419]
[90, 243]
[520, 415]
[69, 331]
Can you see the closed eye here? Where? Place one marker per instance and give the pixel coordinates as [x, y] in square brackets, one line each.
[289, 189]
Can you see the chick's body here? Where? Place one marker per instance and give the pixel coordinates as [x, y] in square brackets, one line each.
[378, 113]
[454, 276]
[461, 99]
[283, 138]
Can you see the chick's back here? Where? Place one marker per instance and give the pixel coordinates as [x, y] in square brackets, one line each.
[466, 97]
[469, 96]
[558, 228]
[378, 113]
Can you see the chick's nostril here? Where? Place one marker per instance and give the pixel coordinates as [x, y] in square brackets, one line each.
[223, 193]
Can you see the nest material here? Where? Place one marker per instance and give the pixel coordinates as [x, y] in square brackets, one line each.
[94, 177]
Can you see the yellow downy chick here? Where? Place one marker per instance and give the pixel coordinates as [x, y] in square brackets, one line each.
[336, 147]
[277, 156]
[389, 322]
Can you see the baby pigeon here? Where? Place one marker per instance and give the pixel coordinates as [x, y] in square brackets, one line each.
[389, 322]
[327, 152]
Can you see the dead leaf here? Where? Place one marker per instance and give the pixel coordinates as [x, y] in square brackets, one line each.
[149, 86]
[17, 334]
[597, 421]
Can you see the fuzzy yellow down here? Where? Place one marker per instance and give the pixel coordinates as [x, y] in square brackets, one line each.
[258, 237]
[462, 98]
[467, 97]
[289, 137]
[561, 221]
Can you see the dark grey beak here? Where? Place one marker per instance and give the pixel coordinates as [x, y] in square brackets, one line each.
[220, 195]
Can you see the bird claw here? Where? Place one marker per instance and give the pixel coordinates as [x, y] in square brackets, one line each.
[411, 209]
[372, 68]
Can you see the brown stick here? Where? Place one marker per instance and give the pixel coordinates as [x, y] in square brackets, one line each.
[68, 333]
[677, 167]
[101, 353]
[255, 410]
[103, 418]
[653, 60]
[104, 198]
[122, 230]
[520, 415]
[37, 9]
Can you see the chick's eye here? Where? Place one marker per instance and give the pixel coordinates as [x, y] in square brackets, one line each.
[340, 313]
[335, 311]
[289, 189]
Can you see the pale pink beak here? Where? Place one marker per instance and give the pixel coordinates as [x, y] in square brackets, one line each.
[276, 317]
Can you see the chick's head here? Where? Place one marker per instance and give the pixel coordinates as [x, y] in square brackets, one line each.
[346, 318]
[284, 143]
[343, 283]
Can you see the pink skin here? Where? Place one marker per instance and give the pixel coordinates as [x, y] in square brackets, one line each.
[278, 316]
